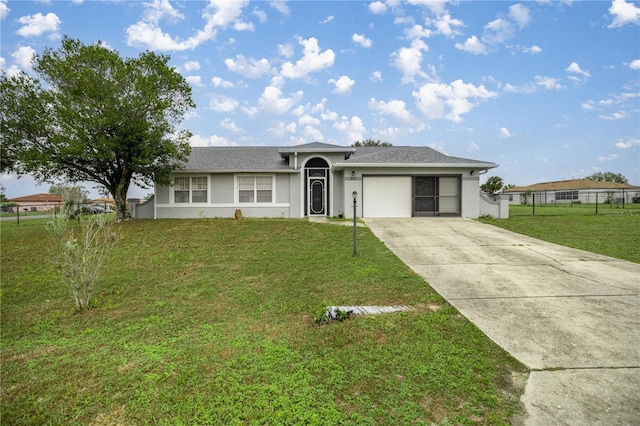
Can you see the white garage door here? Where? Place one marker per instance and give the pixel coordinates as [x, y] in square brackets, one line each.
[386, 196]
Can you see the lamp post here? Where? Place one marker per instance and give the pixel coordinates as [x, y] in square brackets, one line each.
[355, 243]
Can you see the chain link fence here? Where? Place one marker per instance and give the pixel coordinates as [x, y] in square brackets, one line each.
[24, 211]
[575, 202]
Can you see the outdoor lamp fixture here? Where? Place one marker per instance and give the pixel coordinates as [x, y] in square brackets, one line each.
[471, 172]
[353, 177]
[354, 194]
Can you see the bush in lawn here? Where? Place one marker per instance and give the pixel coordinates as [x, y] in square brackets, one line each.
[79, 250]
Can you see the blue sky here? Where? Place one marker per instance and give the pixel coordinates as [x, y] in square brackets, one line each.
[549, 90]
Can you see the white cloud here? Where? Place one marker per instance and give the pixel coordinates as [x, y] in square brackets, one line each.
[220, 82]
[524, 89]
[628, 144]
[249, 67]
[376, 76]
[377, 8]
[23, 56]
[313, 60]
[624, 13]
[4, 9]
[505, 133]
[450, 101]
[310, 133]
[230, 125]
[157, 10]
[416, 32]
[327, 19]
[194, 80]
[199, 140]
[218, 14]
[362, 40]
[281, 129]
[306, 119]
[408, 60]
[610, 157]
[38, 24]
[498, 31]
[635, 64]
[548, 82]
[352, 127]
[588, 105]
[325, 113]
[575, 71]
[191, 66]
[615, 116]
[260, 14]
[520, 14]
[286, 50]
[473, 45]
[281, 6]
[343, 85]
[473, 147]
[221, 103]
[395, 108]
[437, 7]
[446, 26]
[532, 49]
[272, 99]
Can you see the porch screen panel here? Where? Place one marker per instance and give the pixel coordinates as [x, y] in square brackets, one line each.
[449, 195]
[181, 189]
[245, 189]
[264, 189]
[425, 191]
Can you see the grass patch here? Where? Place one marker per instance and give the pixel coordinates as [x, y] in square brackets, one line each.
[213, 321]
[615, 234]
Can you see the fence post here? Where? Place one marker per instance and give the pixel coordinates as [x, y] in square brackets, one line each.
[534, 203]
[596, 203]
[18, 212]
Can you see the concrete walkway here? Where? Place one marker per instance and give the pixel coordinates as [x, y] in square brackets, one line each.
[571, 316]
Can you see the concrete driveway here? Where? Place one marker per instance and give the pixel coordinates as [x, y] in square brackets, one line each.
[571, 316]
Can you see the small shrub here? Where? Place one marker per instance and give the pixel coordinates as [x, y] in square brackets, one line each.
[79, 251]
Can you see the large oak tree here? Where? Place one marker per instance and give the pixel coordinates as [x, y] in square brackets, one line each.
[94, 116]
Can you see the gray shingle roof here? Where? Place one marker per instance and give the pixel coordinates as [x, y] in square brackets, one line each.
[246, 158]
[269, 158]
[405, 155]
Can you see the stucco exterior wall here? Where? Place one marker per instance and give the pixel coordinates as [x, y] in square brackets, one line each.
[222, 200]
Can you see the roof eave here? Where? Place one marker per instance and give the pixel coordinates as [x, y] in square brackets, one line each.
[478, 166]
[220, 171]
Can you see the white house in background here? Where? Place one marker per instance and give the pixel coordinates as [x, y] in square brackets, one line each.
[583, 191]
[318, 179]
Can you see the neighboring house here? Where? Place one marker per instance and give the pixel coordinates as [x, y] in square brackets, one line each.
[318, 179]
[35, 202]
[574, 191]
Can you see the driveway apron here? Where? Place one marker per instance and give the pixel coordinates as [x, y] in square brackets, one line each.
[571, 316]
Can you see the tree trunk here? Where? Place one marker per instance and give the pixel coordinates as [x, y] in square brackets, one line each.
[120, 197]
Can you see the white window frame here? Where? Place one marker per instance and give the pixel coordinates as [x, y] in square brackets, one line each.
[255, 201]
[191, 190]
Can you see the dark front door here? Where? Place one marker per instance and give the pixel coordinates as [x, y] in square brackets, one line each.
[317, 196]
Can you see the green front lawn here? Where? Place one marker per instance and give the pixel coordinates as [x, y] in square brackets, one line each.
[212, 322]
[613, 232]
